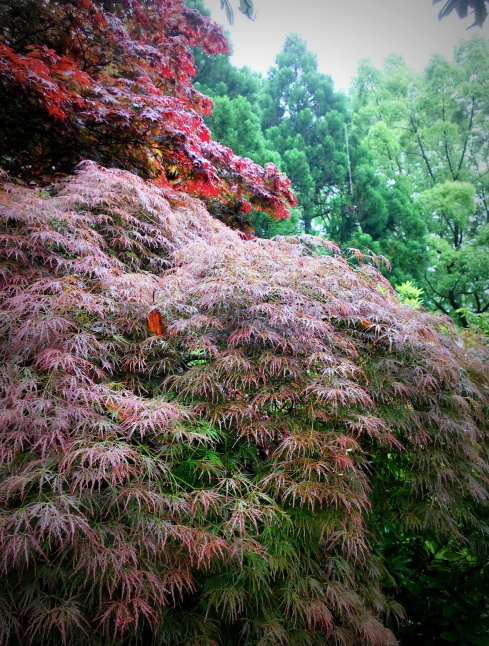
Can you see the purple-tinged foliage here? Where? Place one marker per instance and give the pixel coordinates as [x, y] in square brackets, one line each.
[213, 482]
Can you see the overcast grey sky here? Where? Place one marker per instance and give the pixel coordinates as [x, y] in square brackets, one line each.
[342, 32]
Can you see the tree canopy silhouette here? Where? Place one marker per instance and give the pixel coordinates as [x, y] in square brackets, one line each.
[478, 7]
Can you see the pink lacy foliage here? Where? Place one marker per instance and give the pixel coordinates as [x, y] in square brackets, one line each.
[213, 480]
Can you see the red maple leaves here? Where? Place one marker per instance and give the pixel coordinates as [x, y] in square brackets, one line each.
[80, 81]
[42, 74]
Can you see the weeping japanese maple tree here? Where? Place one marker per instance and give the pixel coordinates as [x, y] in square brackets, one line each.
[195, 426]
[198, 431]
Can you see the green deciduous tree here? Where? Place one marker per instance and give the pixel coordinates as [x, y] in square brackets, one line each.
[429, 136]
[459, 271]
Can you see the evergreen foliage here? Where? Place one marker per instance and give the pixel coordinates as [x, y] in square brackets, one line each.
[303, 117]
[296, 120]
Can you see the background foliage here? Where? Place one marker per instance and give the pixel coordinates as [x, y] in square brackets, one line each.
[417, 159]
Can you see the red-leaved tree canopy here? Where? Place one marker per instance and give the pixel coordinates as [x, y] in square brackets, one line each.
[110, 81]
